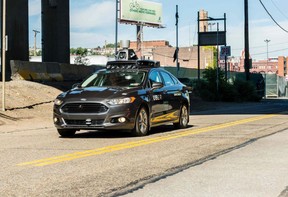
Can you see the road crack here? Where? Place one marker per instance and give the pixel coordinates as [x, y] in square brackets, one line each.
[29, 106]
[8, 117]
[284, 193]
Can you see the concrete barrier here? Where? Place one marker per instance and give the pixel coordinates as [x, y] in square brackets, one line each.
[50, 71]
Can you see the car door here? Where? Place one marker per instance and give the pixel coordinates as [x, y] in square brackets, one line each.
[158, 107]
[171, 96]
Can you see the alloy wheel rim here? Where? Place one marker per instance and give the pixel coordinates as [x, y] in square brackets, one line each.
[143, 121]
[184, 116]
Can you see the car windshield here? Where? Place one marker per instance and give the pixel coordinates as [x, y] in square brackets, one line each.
[115, 78]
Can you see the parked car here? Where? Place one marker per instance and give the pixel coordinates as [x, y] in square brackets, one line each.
[132, 95]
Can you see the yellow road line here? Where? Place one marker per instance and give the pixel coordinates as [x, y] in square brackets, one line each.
[128, 145]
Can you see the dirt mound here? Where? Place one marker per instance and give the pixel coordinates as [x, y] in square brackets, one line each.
[24, 94]
[27, 100]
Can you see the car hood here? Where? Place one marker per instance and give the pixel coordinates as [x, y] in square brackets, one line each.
[96, 93]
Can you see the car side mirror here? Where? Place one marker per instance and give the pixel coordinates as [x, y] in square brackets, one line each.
[157, 85]
[76, 85]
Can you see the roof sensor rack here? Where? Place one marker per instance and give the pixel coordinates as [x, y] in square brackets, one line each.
[120, 64]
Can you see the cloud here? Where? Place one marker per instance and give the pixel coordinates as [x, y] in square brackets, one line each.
[258, 31]
[260, 21]
[95, 16]
[34, 7]
[89, 39]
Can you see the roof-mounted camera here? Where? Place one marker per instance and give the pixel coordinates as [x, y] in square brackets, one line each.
[125, 53]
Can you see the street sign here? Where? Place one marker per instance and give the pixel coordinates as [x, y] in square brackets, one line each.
[225, 51]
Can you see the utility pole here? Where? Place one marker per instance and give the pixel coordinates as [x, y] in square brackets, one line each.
[217, 69]
[198, 47]
[139, 33]
[246, 30]
[35, 36]
[105, 47]
[177, 48]
[4, 49]
[116, 28]
[267, 41]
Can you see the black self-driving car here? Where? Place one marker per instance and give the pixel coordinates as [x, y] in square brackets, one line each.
[130, 95]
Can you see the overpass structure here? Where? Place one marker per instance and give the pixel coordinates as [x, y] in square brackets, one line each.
[55, 31]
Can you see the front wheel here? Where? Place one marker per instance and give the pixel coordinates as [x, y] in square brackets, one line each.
[66, 132]
[183, 119]
[142, 123]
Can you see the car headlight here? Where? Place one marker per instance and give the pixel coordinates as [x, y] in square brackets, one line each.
[58, 102]
[121, 101]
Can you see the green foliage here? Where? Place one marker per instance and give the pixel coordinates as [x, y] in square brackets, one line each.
[214, 51]
[112, 45]
[39, 53]
[202, 89]
[81, 56]
[246, 90]
[238, 90]
[210, 76]
[79, 51]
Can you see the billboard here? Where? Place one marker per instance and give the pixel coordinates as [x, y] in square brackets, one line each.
[141, 12]
[212, 38]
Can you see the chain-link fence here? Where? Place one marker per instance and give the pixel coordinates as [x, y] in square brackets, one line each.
[267, 85]
[275, 86]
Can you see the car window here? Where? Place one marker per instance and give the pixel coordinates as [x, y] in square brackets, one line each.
[154, 77]
[91, 80]
[175, 79]
[119, 78]
[168, 81]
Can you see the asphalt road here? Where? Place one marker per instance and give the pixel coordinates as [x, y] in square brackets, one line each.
[37, 162]
[257, 170]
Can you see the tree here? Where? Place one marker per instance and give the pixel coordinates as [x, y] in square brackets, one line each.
[111, 45]
[81, 56]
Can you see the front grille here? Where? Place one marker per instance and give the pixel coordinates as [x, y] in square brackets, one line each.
[84, 108]
[84, 122]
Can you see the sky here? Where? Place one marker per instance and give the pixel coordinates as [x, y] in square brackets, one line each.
[92, 22]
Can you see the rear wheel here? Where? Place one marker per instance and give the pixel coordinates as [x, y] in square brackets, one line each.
[142, 123]
[183, 119]
[66, 132]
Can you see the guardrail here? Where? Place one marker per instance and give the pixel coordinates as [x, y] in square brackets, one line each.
[50, 71]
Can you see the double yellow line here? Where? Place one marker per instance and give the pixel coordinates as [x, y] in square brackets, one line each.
[133, 144]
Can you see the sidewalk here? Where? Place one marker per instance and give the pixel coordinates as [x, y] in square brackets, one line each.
[259, 169]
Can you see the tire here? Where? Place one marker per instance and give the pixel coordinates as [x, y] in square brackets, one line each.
[183, 119]
[142, 123]
[66, 132]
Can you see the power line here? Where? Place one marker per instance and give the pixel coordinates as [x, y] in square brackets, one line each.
[272, 17]
[262, 46]
[270, 51]
[278, 9]
[163, 55]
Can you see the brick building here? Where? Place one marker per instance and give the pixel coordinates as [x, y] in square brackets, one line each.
[282, 66]
[160, 50]
[187, 56]
[272, 66]
[147, 47]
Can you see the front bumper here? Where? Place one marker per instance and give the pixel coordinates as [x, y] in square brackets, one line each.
[93, 121]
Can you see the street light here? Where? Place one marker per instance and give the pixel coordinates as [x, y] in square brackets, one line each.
[35, 35]
[211, 24]
[267, 41]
